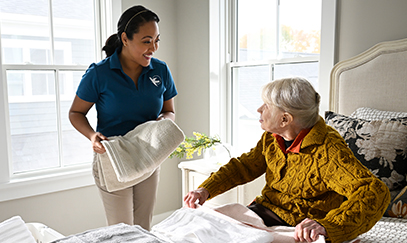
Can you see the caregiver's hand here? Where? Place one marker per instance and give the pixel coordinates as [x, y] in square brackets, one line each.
[200, 194]
[96, 144]
[308, 231]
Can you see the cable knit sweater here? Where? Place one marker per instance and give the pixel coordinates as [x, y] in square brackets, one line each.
[323, 182]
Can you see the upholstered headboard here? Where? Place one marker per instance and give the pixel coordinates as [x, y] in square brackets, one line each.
[376, 78]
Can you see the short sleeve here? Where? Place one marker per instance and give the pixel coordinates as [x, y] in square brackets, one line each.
[171, 90]
[88, 89]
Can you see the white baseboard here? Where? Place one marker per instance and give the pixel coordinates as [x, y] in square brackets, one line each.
[160, 217]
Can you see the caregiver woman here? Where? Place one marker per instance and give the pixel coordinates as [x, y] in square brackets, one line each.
[129, 87]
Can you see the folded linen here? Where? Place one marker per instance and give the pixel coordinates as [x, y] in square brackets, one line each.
[132, 158]
[15, 230]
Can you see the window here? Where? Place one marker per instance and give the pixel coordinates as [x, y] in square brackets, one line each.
[270, 39]
[45, 50]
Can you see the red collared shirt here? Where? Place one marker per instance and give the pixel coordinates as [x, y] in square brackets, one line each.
[296, 145]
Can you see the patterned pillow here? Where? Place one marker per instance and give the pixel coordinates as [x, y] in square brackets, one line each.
[379, 145]
[398, 205]
[374, 114]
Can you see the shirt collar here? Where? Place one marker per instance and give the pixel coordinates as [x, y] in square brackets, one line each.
[115, 62]
[296, 145]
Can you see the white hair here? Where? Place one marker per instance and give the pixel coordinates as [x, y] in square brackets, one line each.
[296, 96]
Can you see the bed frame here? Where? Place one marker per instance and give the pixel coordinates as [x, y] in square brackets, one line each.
[376, 78]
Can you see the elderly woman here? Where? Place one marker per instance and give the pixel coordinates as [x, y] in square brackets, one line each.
[313, 180]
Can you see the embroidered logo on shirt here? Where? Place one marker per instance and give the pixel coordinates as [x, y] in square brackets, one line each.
[156, 80]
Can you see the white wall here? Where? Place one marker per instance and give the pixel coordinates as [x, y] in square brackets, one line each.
[184, 27]
[193, 65]
[364, 23]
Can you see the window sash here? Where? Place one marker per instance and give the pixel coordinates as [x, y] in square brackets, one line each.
[233, 131]
[249, 127]
[56, 70]
[54, 179]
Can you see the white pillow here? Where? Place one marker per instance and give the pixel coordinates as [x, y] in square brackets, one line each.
[14, 230]
[371, 114]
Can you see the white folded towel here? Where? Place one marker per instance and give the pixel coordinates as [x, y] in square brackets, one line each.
[14, 230]
[132, 158]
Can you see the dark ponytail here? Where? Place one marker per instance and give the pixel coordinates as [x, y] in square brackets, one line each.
[129, 22]
[111, 45]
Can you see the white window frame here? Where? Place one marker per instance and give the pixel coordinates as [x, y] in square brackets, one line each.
[221, 57]
[50, 180]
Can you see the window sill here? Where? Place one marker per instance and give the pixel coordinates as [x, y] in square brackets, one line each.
[18, 188]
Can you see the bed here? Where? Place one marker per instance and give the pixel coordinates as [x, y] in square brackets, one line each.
[368, 106]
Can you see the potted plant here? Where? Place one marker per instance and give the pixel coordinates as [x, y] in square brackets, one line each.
[199, 145]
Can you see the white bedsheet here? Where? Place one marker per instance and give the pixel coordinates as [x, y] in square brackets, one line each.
[205, 225]
[228, 223]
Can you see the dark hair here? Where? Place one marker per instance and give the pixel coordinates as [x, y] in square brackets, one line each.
[129, 22]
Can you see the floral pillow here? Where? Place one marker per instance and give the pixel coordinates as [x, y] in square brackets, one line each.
[380, 145]
[398, 205]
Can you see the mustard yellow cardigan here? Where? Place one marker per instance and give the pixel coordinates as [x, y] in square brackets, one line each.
[323, 182]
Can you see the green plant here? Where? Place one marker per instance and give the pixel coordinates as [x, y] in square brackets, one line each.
[196, 144]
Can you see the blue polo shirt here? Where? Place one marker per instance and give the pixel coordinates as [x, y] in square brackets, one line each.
[120, 105]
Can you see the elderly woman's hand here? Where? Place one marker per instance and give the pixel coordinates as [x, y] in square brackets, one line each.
[308, 231]
[200, 194]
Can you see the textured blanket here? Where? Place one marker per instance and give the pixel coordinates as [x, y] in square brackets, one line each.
[132, 158]
[113, 234]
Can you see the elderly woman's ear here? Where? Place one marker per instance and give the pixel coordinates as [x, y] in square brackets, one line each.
[286, 119]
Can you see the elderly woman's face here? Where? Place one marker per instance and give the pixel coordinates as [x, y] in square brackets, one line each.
[270, 118]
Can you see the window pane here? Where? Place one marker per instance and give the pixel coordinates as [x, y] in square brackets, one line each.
[15, 81]
[300, 24]
[43, 83]
[76, 148]
[267, 30]
[25, 30]
[33, 124]
[74, 31]
[246, 127]
[39, 56]
[256, 30]
[308, 70]
[13, 55]
[28, 29]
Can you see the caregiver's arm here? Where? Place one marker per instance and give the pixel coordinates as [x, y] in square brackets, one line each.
[77, 116]
[168, 110]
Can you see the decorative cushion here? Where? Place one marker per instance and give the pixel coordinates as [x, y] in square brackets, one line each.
[398, 205]
[379, 145]
[374, 114]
